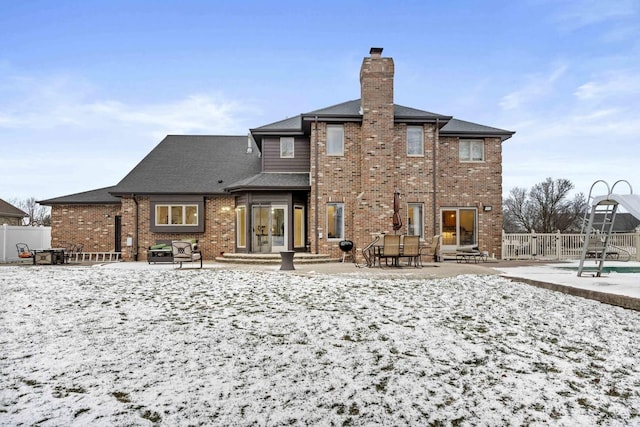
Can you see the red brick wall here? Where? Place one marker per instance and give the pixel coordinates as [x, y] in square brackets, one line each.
[375, 163]
[91, 225]
[218, 237]
[474, 184]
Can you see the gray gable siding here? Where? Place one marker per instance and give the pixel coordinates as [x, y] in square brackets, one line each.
[271, 161]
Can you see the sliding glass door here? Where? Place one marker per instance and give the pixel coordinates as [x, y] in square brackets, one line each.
[459, 227]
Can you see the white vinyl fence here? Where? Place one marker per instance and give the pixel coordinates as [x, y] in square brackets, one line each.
[557, 246]
[35, 237]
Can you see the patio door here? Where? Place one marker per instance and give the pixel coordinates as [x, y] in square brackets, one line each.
[459, 227]
[270, 228]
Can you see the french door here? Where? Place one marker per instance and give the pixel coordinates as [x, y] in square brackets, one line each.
[270, 228]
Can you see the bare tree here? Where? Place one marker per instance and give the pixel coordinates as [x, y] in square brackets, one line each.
[38, 214]
[546, 208]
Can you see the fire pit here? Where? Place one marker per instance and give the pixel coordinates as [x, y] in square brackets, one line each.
[346, 246]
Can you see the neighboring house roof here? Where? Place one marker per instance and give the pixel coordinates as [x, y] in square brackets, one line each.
[192, 164]
[624, 222]
[99, 196]
[7, 210]
[275, 181]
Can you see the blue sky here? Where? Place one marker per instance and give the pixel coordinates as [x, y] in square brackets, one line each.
[88, 88]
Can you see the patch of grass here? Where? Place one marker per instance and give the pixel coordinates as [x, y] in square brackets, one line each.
[80, 412]
[32, 383]
[121, 396]
[584, 402]
[545, 367]
[152, 416]
[382, 385]
[60, 392]
[353, 409]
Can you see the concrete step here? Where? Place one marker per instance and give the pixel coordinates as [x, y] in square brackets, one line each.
[298, 258]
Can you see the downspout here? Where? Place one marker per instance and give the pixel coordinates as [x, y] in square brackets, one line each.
[315, 177]
[135, 236]
[435, 174]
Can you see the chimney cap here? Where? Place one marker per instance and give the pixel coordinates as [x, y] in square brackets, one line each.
[375, 51]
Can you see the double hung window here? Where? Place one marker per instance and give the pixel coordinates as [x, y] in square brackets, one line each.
[415, 142]
[335, 140]
[287, 147]
[471, 150]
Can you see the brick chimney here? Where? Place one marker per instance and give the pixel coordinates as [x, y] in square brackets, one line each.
[377, 165]
[376, 84]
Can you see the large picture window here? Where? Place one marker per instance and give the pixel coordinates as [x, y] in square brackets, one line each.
[176, 215]
[335, 140]
[415, 220]
[471, 150]
[415, 145]
[335, 220]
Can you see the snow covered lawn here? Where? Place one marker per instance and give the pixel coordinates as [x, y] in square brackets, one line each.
[96, 346]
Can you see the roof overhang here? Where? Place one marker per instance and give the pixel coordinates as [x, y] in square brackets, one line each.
[503, 136]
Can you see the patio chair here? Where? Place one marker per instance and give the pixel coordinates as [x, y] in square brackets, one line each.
[24, 251]
[411, 249]
[433, 251]
[390, 249]
[184, 252]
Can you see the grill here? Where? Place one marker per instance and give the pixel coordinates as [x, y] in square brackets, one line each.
[346, 245]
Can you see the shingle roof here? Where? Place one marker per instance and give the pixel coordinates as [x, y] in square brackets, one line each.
[99, 196]
[291, 123]
[624, 222]
[349, 108]
[192, 164]
[289, 181]
[8, 210]
[345, 110]
[457, 127]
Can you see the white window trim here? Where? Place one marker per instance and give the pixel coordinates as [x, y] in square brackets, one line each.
[341, 153]
[471, 143]
[293, 147]
[421, 129]
[184, 215]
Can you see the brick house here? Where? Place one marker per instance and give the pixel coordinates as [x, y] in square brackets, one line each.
[304, 183]
[10, 214]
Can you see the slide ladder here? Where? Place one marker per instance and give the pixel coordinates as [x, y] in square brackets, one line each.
[597, 226]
